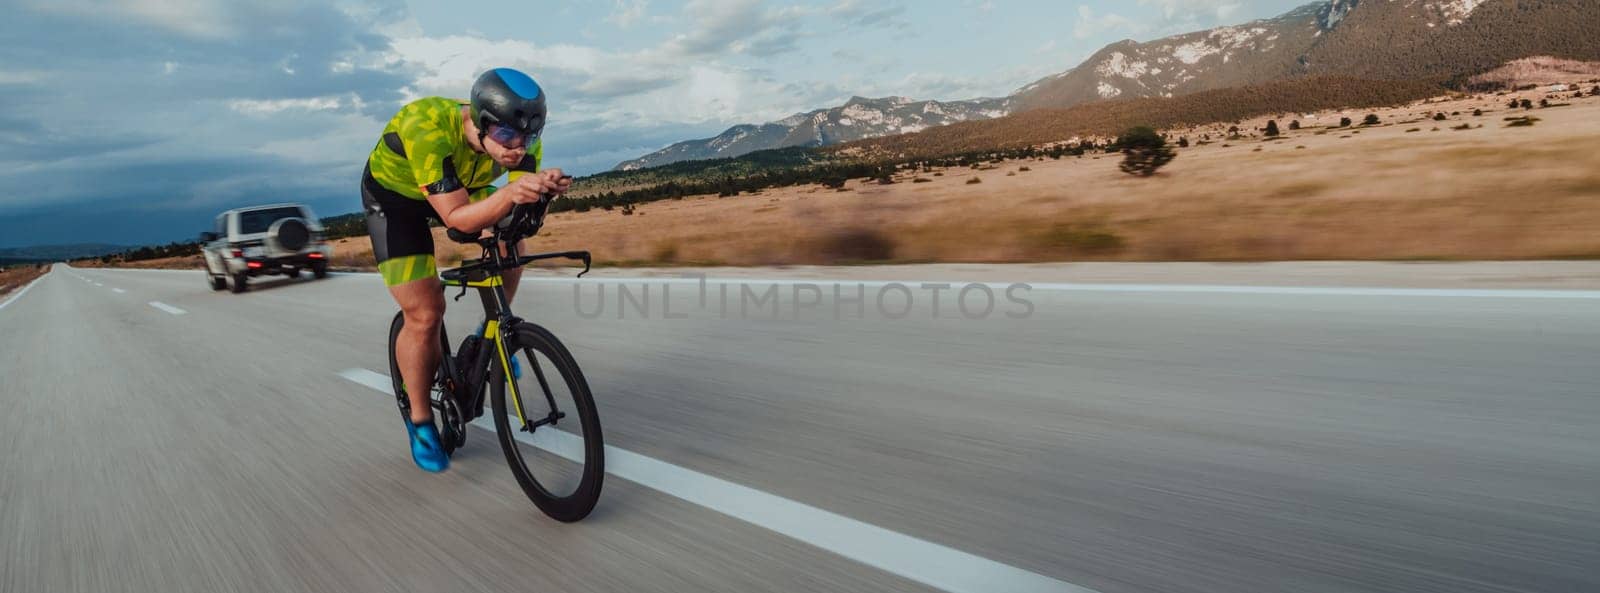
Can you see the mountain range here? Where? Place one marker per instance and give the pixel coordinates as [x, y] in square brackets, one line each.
[1374, 39]
[857, 119]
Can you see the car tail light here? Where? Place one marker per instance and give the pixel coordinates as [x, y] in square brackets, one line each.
[254, 264]
[315, 255]
[238, 253]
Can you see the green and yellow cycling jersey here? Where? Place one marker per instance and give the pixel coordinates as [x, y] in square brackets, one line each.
[423, 151]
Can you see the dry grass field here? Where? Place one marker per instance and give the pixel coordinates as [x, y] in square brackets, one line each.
[1410, 188]
[18, 276]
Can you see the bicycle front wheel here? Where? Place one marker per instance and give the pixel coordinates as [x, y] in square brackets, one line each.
[553, 444]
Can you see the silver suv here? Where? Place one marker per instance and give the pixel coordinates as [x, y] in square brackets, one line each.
[262, 241]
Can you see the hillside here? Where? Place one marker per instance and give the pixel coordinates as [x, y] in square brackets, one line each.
[1430, 40]
[1373, 39]
[1250, 53]
[1422, 39]
[1108, 118]
[858, 118]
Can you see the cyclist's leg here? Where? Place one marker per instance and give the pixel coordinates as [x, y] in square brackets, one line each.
[402, 244]
[416, 349]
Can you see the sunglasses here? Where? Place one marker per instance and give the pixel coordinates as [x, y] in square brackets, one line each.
[509, 137]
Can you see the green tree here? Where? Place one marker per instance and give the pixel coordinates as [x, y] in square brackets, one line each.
[1144, 151]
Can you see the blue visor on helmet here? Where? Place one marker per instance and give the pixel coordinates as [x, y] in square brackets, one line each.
[509, 137]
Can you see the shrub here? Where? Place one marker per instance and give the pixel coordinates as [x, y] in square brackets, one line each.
[1438, 117]
[974, 181]
[1371, 120]
[1520, 122]
[1144, 151]
[1344, 122]
[854, 245]
[1462, 127]
[1080, 240]
[1477, 113]
[1413, 130]
[1543, 103]
[1294, 125]
[1595, 92]
[1183, 142]
[1526, 104]
[921, 180]
[1023, 169]
[1272, 128]
[1514, 104]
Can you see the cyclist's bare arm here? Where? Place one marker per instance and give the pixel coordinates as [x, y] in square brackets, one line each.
[457, 211]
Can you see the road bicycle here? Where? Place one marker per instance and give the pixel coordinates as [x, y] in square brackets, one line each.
[558, 462]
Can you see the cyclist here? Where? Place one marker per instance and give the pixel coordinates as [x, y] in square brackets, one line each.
[437, 158]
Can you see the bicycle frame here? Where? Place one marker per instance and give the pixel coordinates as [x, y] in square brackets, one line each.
[487, 276]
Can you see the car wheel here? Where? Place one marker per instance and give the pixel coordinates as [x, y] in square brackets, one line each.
[217, 282]
[240, 282]
[319, 269]
[292, 273]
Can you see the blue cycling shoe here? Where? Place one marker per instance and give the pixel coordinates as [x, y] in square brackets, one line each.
[427, 448]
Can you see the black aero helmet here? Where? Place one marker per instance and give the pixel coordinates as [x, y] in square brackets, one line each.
[509, 98]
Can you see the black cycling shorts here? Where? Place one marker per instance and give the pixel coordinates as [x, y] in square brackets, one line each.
[402, 242]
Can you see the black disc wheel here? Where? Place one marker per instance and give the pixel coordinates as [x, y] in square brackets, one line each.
[557, 456]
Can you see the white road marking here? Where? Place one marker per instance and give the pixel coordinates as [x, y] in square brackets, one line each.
[916, 559]
[168, 308]
[21, 292]
[1134, 288]
[118, 290]
[97, 284]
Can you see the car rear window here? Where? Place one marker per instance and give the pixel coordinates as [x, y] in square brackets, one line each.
[257, 221]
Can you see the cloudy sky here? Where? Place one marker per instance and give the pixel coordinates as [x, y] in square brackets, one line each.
[136, 121]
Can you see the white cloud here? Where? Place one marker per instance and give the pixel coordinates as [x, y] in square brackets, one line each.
[1089, 25]
[1195, 10]
[627, 12]
[271, 106]
[20, 76]
[202, 19]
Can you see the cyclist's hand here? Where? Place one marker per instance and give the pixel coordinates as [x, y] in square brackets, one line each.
[522, 192]
[548, 181]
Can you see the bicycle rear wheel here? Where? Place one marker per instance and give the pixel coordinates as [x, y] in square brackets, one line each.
[558, 460]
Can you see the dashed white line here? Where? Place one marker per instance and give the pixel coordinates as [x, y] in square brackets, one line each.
[118, 290]
[168, 308]
[916, 559]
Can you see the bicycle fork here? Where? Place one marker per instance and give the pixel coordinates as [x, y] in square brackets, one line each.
[493, 328]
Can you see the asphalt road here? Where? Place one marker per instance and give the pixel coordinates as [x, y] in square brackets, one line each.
[1136, 439]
